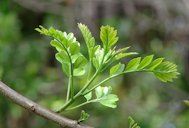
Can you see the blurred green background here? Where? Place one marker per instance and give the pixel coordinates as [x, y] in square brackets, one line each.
[27, 62]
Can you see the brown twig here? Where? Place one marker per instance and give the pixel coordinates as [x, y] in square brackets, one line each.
[37, 109]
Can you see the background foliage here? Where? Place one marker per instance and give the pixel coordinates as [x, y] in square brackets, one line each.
[28, 65]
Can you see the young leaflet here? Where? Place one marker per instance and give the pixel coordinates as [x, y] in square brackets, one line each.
[100, 58]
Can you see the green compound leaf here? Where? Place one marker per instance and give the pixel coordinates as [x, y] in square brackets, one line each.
[73, 62]
[132, 123]
[79, 71]
[75, 48]
[66, 68]
[146, 61]
[123, 55]
[109, 100]
[89, 39]
[84, 116]
[117, 69]
[57, 45]
[155, 63]
[68, 50]
[80, 62]
[99, 91]
[62, 57]
[105, 98]
[98, 56]
[88, 96]
[42, 30]
[113, 55]
[108, 56]
[108, 36]
[164, 71]
[133, 64]
[121, 50]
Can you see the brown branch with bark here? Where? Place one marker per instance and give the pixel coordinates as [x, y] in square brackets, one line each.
[37, 109]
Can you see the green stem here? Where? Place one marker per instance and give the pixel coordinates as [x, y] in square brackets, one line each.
[109, 78]
[109, 63]
[70, 101]
[87, 102]
[70, 91]
[88, 83]
[105, 80]
[80, 105]
[70, 88]
[90, 70]
[80, 93]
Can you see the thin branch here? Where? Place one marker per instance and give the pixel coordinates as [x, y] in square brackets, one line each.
[37, 109]
[70, 91]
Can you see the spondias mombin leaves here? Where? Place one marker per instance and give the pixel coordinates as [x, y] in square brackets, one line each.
[100, 58]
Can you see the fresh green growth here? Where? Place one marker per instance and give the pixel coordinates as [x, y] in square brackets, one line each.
[132, 123]
[84, 116]
[100, 58]
[68, 54]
